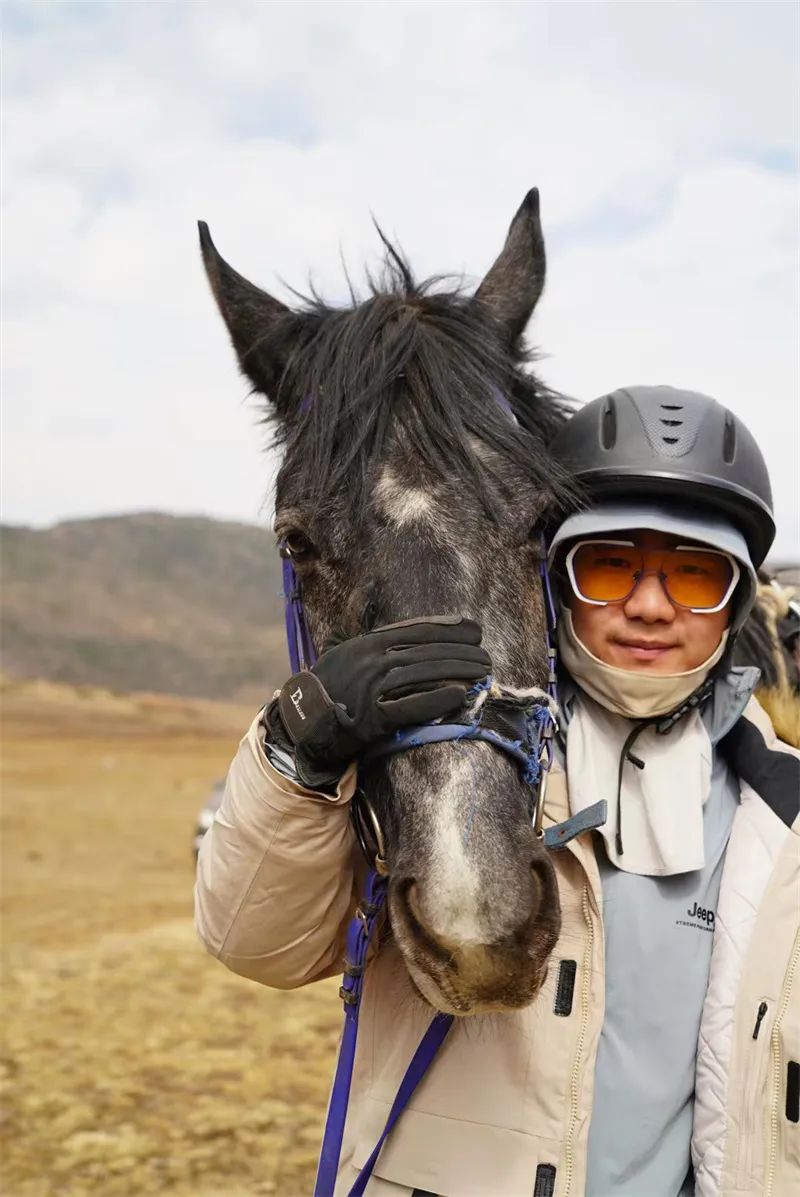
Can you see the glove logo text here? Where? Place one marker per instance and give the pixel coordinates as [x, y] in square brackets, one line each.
[297, 698]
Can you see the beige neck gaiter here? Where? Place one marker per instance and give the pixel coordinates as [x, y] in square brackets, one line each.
[637, 695]
[658, 821]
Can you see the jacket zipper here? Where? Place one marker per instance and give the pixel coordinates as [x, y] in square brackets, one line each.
[749, 1090]
[775, 1050]
[762, 1009]
[586, 971]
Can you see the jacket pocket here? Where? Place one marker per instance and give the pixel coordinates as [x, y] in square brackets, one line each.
[783, 1146]
[458, 1159]
[753, 1081]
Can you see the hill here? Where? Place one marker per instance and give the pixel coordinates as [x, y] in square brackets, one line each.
[171, 604]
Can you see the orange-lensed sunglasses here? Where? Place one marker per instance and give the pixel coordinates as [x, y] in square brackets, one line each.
[608, 571]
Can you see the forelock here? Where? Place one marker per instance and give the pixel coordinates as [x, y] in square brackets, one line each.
[415, 360]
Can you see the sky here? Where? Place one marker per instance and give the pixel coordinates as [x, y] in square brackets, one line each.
[663, 137]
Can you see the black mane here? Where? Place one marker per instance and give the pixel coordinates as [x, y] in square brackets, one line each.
[421, 358]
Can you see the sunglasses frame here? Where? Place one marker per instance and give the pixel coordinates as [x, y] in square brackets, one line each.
[688, 548]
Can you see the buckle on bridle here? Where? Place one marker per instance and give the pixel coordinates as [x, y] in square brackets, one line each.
[369, 832]
[545, 761]
[539, 795]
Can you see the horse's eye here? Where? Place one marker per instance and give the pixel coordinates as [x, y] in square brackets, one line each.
[296, 545]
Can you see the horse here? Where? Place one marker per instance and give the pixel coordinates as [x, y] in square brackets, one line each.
[768, 640]
[416, 479]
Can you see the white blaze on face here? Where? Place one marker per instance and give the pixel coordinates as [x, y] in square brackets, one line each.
[454, 916]
[400, 503]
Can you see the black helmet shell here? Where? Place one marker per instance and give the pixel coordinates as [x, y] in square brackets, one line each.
[662, 442]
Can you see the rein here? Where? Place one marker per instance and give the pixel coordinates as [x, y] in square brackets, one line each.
[530, 718]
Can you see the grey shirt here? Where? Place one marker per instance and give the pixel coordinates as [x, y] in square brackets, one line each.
[658, 937]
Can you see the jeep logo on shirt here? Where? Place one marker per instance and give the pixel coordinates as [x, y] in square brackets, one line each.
[700, 917]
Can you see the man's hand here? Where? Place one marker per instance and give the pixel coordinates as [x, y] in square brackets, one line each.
[363, 689]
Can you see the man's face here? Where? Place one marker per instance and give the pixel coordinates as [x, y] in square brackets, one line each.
[647, 633]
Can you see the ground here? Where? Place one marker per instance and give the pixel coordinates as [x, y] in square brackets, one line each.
[133, 1063]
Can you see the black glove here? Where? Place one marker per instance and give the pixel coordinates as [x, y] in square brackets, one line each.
[363, 689]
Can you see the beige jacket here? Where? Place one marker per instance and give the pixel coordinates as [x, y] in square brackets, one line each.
[278, 878]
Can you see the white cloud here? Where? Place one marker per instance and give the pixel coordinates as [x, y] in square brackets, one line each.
[659, 136]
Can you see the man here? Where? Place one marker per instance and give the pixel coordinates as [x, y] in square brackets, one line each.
[683, 1073]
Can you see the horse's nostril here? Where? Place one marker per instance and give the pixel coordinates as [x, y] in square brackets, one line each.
[415, 911]
[541, 873]
[412, 916]
[536, 878]
[412, 898]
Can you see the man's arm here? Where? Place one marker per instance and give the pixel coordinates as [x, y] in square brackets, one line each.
[277, 873]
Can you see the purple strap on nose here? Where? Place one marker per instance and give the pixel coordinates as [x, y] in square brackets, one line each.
[302, 654]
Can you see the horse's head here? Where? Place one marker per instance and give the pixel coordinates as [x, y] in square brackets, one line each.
[414, 481]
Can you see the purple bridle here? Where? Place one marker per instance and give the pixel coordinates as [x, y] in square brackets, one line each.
[532, 749]
[302, 654]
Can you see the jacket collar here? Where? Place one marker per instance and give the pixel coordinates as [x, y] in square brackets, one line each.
[731, 694]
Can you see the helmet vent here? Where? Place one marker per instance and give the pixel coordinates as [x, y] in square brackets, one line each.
[608, 425]
[729, 439]
[671, 423]
[672, 426]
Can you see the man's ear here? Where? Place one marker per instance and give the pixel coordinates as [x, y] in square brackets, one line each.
[261, 327]
[512, 286]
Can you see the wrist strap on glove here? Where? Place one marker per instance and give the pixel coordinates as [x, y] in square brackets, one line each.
[303, 704]
[302, 714]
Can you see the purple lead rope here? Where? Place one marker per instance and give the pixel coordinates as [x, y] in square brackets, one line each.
[359, 936]
[432, 1040]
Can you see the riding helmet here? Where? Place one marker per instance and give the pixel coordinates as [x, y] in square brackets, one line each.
[664, 443]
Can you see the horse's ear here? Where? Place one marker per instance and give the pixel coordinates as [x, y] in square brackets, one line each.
[253, 317]
[511, 289]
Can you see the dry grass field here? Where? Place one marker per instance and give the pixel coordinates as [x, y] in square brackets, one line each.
[132, 1062]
